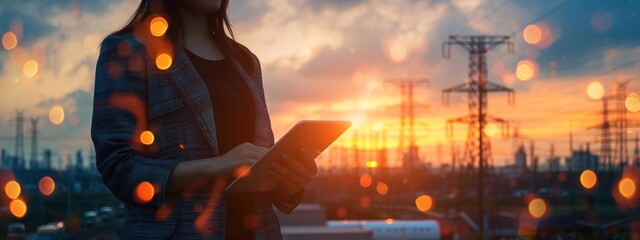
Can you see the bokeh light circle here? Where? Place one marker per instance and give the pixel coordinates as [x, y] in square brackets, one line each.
[9, 40]
[12, 189]
[46, 185]
[424, 203]
[147, 138]
[144, 192]
[632, 102]
[30, 68]
[365, 180]
[158, 26]
[595, 90]
[56, 115]
[490, 129]
[537, 208]
[164, 61]
[532, 34]
[588, 179]
[627, 187]
[18, 208]
[526, 70]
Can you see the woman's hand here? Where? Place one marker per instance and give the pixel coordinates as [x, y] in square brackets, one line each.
[293, 173]
[244, 154]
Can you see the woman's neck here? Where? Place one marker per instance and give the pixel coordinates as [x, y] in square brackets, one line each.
[195, 25]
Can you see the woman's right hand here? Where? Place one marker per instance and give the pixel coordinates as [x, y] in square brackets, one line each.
[244, 154]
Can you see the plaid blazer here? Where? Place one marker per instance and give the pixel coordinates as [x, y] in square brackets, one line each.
[133, 96]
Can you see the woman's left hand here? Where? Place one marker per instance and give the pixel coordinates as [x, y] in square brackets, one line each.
[293, 173]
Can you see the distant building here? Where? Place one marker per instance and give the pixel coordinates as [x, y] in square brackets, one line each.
[554, 164]
[47, 158]
[521, 159]
[3, 159]
[79, 161]
[583, 159]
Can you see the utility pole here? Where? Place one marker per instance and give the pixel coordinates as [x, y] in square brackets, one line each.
[19, 150]
[477, 86]
[34, 142]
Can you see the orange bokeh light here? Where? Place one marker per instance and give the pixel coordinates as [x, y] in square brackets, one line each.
[147, 138]
[532, 34]
[526, 70]
[632, 102]
[9, 40]
[18, 208]
[595, 90]
[365, 180]
[424, 203]
[144, 192]
[382, 188]
[158, 26]
[46, 186]
[12, 189]
[163, 61]
[490, 129]
[588, 179]
[56, 115]
[30, 68]
[627, 187]
[537, 208]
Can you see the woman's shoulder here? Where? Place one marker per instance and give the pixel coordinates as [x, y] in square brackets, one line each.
[121, 41]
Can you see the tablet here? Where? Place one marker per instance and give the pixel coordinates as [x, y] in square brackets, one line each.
[312, 135]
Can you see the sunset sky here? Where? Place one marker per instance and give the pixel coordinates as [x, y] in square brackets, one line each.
[330, 59]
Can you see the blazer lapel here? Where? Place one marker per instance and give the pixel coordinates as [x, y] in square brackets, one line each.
[186, 78]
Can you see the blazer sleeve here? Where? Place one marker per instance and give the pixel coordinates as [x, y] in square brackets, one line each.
[119, 117]
[284, 203]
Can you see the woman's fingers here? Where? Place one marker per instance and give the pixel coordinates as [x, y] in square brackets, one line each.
[293, 171]
[286, 178]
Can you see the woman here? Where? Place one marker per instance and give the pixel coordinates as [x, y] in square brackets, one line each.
[177, 114]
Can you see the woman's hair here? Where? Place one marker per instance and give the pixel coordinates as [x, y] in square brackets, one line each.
[219, 22]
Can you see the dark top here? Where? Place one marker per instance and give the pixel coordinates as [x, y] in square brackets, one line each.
[233, 111]
[233, 106]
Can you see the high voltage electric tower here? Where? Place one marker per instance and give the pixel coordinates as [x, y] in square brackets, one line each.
[619, 153]
[477, 86]
[407, 105]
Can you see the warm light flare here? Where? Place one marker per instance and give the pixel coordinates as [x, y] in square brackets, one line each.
[537, 208]
[239, 171]
[12, 189]
[588, 179]
[595, 90]
[147, 138]
[532, 34]
[144, 192]
[56, 115]
[632, 102]
[490, 129]
[9, 40]
[526, 70]
[424, 203]
[627, 187]
[18, 208]
[30, 68]
[365, 180]
[158, 26]
[164, 61]
[372, 164]
[46, 186]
